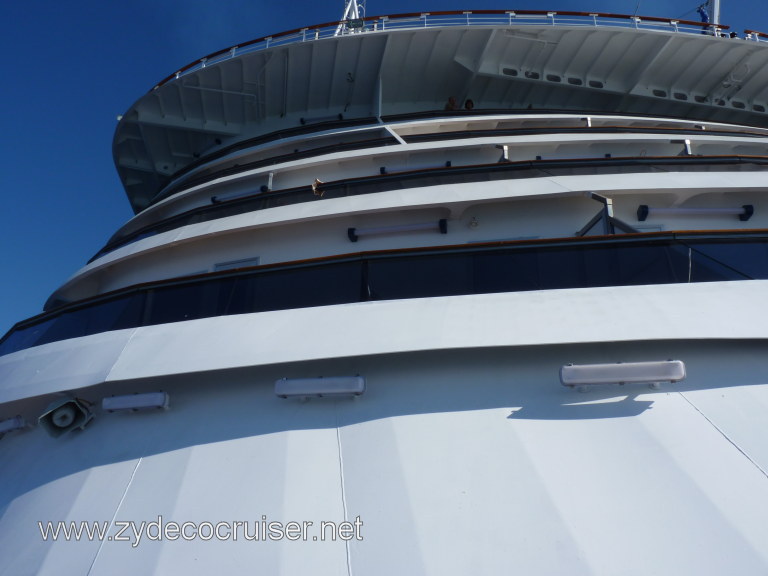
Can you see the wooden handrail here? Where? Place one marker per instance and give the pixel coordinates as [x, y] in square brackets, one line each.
[756, 33]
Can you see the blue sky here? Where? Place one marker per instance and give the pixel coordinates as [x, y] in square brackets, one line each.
[70, 68]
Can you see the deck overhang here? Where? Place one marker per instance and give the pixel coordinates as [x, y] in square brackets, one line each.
[305, 85]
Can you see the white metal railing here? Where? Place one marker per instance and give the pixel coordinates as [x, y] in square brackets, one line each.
[376, 24]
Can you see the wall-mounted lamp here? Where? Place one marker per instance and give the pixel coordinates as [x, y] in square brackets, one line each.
[11, 424]
[134, 402]
[744, 213]
[440, 226]
[622, 373]
[319, 387]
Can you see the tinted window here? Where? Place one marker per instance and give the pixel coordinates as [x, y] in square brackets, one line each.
[506, 271]
[311, 286]
[26, 337]
[729, 261]
[177, 303]
[420, 277]
[114, 314]
[652, 264]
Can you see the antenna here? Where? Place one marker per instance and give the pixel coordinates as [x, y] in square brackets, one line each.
[352, 12]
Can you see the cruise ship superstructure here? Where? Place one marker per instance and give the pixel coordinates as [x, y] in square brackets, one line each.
[483, 291]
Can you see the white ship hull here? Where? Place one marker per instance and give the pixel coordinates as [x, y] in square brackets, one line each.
[445, 266]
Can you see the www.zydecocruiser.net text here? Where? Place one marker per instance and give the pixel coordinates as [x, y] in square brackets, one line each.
[157, 530]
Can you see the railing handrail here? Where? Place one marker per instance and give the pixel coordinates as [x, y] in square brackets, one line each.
[447, 18]
[756, 33]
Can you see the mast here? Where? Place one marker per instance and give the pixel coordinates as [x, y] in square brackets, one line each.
[715, 8]
[351, 12]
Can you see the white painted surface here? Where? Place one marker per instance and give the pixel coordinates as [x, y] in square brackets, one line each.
[465, 455]
[273, 238]
[610, 314]
[456, 462]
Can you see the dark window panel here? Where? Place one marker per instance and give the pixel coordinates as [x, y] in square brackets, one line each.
[311, 286]
[420, 277]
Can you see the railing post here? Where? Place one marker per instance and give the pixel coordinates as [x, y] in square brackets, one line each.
[511, 15]
[467, 15]
[594, 19]
[425, 18]
[552, 16]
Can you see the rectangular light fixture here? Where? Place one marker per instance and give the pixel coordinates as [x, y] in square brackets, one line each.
[622, 373]
[440, 226]
[133, 402]
[744, 212]
[320, 387]
[11, 424]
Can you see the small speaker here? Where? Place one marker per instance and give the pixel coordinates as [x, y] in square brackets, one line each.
[64, 415]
